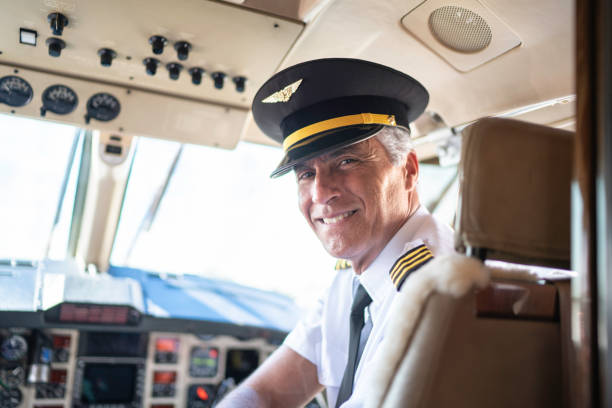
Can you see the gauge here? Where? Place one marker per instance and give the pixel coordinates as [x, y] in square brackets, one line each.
[10, 397]
[59, 99]
[204, 362]
[14, 348]
[103, 107]
[15, 91]
[14, 376]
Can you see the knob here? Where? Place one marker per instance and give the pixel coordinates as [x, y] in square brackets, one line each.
[151, 64]
[240, 82]
[158, 42]
[196, 75]
[57, 21]
[174, 69]
[219, 78]
[182, 48]
[106, 56]
[55, 46]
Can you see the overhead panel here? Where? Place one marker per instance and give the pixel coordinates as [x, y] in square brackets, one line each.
[174, 65]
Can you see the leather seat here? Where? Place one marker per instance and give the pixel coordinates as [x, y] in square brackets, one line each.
[470, 334]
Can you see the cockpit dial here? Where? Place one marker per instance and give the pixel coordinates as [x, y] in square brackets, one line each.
[13, 348]
[59, 99]
[103, 107]
[15, 91]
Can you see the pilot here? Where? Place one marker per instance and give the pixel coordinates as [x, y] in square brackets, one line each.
[344, 128]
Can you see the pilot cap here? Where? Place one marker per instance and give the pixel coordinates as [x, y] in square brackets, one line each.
[323, 105]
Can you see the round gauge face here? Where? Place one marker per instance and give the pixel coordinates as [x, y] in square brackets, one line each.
[13, 348]
[15, 91]
[14, 376]
[103, 107]
[10, 398]
[59, 99]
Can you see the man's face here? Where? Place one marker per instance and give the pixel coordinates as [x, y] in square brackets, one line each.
[355, 199]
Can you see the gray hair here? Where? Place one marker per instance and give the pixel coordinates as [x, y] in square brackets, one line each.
[397, 143]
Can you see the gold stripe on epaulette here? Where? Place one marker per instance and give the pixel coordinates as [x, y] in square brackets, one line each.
[409, 262]
[342, 264]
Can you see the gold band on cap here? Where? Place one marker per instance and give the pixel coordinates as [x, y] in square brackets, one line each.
[292, 141]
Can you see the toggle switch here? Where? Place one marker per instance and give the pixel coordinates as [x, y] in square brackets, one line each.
[182, 48]
[219, 78]
[57, 21]
[158, 42]
[174, 69]
[151, 65]
[55, 46]
[240, 82]
[196, 75]
[106, 56]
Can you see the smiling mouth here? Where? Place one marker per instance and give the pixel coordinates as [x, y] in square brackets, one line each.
[337, 218]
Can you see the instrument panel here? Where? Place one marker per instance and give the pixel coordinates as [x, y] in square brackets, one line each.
[55, 368]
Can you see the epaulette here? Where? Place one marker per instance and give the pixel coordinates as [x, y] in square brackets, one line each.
[342, 264]
[408, 263]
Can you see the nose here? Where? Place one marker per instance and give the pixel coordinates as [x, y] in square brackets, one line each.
[325, 188]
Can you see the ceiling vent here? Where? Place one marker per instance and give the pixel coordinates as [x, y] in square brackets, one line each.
[464, 33]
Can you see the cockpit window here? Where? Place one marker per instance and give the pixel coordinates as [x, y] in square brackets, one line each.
[38, 173]
[207, 211]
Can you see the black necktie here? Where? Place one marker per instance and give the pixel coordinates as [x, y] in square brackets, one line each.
[360, 302]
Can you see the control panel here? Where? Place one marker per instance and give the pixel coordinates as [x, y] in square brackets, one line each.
[147, 68]
[101, 369]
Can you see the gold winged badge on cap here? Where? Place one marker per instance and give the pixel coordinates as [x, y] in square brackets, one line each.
[284, 94]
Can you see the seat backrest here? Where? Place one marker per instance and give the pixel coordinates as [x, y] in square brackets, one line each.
[501, 345]
[515, 192]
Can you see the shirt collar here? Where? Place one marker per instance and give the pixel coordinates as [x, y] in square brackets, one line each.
[375, 279]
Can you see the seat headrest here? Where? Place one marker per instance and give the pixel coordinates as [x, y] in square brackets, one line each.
[515, 192]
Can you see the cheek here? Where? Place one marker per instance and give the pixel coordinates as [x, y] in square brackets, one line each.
[303, 203]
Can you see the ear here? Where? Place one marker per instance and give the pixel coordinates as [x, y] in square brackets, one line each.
[411, 170]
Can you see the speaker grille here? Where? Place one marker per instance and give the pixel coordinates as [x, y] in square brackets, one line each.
[460, 29]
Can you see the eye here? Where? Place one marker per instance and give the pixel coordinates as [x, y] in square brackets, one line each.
[347, 161]
[305, 175]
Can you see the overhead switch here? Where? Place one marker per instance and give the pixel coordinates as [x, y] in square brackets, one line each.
[240, 82]
[151, 65]
[57, 21]
[182, 48]
[158, 42]
[196, 75]
[174, 69]
[219, 78]
[106, 56]
[55, 46]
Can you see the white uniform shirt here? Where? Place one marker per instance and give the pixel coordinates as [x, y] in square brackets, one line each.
[322, 335]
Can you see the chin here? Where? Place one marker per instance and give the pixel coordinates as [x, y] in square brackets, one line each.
[341, 250]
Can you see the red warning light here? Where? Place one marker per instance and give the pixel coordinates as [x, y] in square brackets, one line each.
[213, 353]
[164, 377]
[202, 394]
[166, 344]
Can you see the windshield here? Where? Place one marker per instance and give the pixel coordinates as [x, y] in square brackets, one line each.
[220, 216]
[37, 184]
[187, 209]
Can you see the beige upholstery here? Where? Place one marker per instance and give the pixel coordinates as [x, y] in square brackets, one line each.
[515, 199]
[460, 361]
[514, 205]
